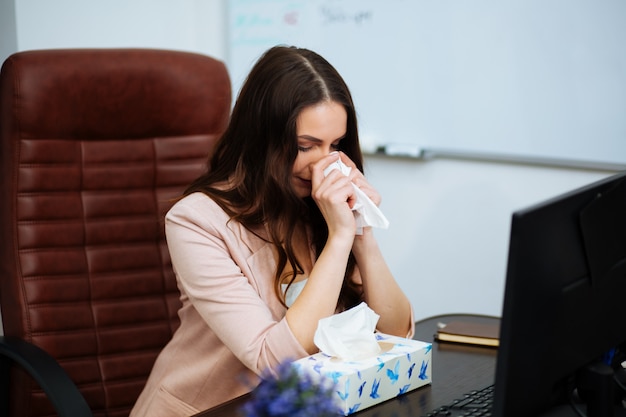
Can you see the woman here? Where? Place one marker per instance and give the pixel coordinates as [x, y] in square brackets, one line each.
[264, 245]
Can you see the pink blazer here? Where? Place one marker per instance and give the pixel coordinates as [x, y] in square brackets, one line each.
[232, 324]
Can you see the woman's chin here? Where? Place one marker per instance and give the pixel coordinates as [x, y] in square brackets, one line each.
[302, 188]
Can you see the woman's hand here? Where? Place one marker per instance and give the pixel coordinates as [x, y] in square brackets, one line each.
[359, 180]
[334, 195]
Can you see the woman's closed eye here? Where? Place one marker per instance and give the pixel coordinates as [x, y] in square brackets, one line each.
[304, 148]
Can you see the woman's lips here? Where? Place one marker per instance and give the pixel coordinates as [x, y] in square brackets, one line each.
[304, 183]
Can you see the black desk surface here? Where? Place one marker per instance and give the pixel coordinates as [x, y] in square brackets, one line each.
[456, 369]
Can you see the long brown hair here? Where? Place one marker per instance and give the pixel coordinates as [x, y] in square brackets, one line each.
[249, 170]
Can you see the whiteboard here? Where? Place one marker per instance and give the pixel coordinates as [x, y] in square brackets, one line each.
[519, 78]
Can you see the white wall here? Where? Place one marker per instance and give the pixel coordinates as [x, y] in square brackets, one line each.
[448, 239]
[8, 37]
[190, 25]
[449, 225]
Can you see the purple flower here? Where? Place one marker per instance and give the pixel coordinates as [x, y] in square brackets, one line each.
[290, 394]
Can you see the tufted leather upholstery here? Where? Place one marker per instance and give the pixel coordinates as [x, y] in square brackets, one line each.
[95, 145]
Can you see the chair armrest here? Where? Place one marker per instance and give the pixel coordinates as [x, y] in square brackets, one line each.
[60, 389]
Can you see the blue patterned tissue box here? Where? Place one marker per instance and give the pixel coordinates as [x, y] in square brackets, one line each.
[401, 366]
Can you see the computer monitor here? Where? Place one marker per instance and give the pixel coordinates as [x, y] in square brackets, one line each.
[564, 311]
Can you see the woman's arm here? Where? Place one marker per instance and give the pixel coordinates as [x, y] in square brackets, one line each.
[227, 273]
[319, 296]
[381, 291]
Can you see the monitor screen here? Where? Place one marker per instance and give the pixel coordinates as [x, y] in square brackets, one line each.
[564, 312]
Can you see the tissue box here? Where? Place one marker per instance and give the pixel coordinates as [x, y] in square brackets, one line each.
[401, 366]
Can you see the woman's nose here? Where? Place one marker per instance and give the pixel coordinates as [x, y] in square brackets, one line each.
[322, 152]
[325, 152]
[330, 150]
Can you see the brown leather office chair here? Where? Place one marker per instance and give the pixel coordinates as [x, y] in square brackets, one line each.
[95, 144]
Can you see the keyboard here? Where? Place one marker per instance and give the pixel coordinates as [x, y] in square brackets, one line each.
[474, 404]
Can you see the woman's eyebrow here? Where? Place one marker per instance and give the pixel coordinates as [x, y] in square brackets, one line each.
[317, 140]
[308, 137]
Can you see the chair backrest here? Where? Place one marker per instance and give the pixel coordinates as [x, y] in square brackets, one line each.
[95, 145]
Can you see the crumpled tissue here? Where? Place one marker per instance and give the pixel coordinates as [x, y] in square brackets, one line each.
[366, 213]
[349, 335]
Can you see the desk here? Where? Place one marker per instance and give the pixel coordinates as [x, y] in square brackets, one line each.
[456, 369]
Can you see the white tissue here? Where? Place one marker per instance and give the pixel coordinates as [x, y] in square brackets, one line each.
[348, 335]
[366, 213]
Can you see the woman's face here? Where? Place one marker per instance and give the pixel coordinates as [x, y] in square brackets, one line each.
[319, 129]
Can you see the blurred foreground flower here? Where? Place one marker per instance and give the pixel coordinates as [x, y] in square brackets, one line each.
[289, 394]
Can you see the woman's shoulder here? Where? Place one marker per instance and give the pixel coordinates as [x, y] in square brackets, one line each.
[196, 206]
[196, 199]
[198, 211]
